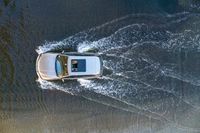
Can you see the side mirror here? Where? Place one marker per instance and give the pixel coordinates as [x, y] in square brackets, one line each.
[63, 80]
[63, 52]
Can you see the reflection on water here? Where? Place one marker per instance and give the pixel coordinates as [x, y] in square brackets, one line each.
[151, 66]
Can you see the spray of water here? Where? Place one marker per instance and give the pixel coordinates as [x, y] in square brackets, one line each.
[53, 86]
[134, 71]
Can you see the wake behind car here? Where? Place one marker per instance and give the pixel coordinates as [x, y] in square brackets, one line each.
[68, 65]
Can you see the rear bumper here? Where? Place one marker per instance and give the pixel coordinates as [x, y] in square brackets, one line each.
[101, 66]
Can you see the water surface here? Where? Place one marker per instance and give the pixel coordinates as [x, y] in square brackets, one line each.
[150, 52]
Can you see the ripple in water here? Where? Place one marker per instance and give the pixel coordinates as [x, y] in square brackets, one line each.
[147, 66]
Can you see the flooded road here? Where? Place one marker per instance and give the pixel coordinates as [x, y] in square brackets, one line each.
[150, 54]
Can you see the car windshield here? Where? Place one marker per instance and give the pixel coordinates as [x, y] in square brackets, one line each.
[61, 66]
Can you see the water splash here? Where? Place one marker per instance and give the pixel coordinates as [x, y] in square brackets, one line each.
[53, 86]
[146, 64]
[48, 46]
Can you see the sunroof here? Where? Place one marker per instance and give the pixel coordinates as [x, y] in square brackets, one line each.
[78, 65]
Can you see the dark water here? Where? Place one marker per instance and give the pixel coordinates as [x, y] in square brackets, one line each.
[150, 51]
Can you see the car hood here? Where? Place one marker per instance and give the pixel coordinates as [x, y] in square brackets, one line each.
[46, 66]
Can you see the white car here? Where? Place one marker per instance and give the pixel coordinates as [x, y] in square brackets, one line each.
[68, 65]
